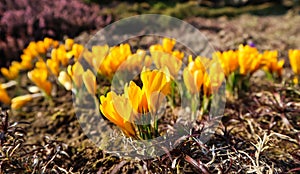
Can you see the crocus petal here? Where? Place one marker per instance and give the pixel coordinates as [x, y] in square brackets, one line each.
[89, 79]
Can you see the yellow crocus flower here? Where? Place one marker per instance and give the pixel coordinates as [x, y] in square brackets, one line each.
[196, 78]
[117, 109]
[294, 56]
[179, 55]
[249, 59]
[65, 80]
[193, 74]
[48, 42]
[26, 62]
[207, 89]
[60, 54]
[193, 81]
[156, 47]
[213, 79]
[156, 85]
[4, 96]
[31, 50]
[20, 101]
[13, 71]
[162, 59]
[75, 71]
[136, 62]
[89, 80]
[40, 47]
[39, 77]
[137, 98]
[117, 55]
[168, 44]
[76, 51]
[53, 65]
[96, 56]
[271, 63]
[228, 60]
[69, 44]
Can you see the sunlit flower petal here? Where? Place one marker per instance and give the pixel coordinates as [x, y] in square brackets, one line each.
[112, 106]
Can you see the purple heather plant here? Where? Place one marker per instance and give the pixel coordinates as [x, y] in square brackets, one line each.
[22, 21]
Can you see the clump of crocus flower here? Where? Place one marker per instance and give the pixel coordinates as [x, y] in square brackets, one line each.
[294, 56]
[136, 110]
[239, 66]
[33, 52]
[115, 57]
[167, 46]
[202, 78]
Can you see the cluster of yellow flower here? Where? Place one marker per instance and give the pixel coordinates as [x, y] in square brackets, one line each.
[196, 76]
[43, 60]
[247, 60]
[49, 61]
[137, 104]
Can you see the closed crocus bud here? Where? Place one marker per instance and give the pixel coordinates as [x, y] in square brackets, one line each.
[4, 96]
[39, 77]
[75, 73]
[89, 80]
[20, 101]
[13, 71]
[40, 47]
[31, 49]
[69, 44]
[65, 80]
[48, 42]
[168, 44]
[294, 56]
[53, 65]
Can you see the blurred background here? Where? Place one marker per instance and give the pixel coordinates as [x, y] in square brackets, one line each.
[22, 21]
